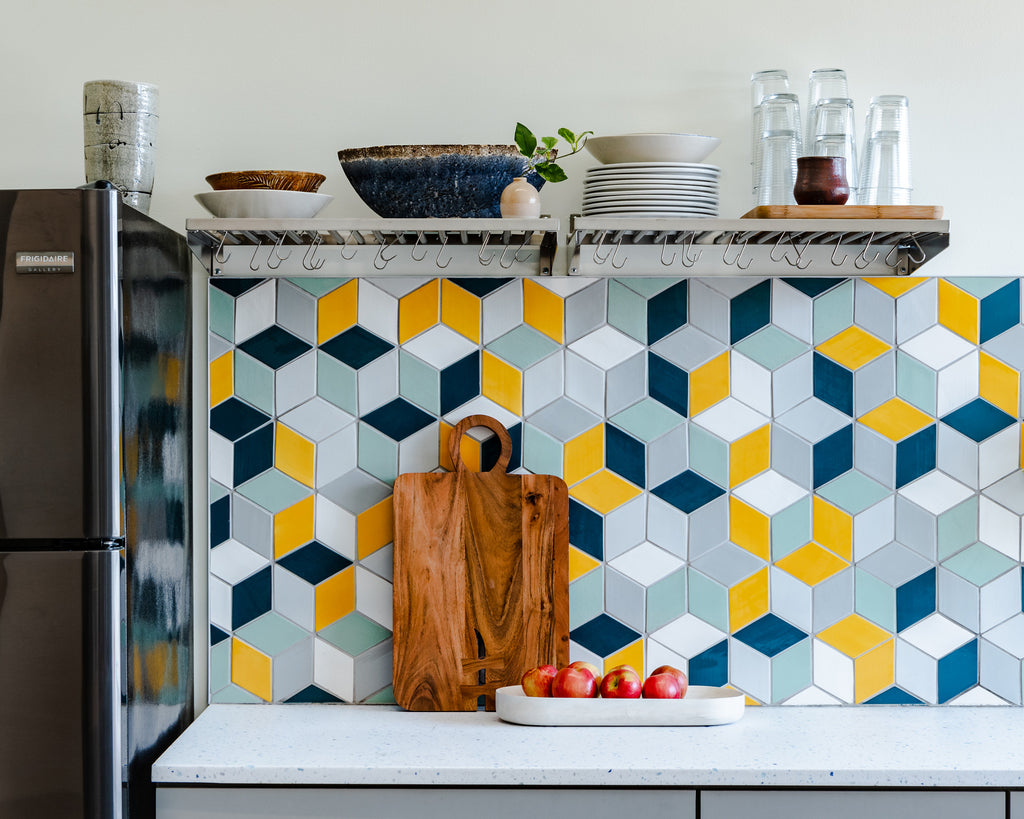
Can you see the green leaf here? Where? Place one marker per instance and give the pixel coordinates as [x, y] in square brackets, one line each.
[549, 142]
[567, 135]
[525, 140]
[550, 172]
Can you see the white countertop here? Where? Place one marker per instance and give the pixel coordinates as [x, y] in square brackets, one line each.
[338, 745]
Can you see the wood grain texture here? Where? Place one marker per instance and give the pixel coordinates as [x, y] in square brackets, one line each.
[844, 212]
[481, 579]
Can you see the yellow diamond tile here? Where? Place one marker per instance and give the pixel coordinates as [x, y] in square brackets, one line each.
[460, 310]
[580, 563]
[336, 311]
[222, 378]
[604, 491]
[633, 655]
[584, 455]
[750, 455]
[874, 671]
[470, 450]
[418, 311]
[335, 597]
[293, 527]
[501, 382]
[749, 528]
[294, 455]
[748, 600]
[543, 310]
[853, 347]
[854, 636]
[832, 528]
[895, 419]
[999, 384]
[250, 669]
[709, 384]
[811, 564]
[895, 286]
[958, 311]
[375, 528]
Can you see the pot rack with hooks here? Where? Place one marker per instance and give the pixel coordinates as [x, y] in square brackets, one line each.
[747, 247]
[374, 247]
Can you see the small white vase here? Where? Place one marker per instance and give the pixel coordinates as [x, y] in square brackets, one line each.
[520, 200]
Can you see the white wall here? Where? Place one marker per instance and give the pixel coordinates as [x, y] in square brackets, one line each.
[263, 84]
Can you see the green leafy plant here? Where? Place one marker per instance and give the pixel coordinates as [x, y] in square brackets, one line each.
[542, 153]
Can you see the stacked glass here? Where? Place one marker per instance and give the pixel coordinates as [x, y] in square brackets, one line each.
[777, 148]
[832, 133]
[885, 168]
[762, 84]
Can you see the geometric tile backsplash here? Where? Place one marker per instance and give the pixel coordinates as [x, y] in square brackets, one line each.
[809, 489]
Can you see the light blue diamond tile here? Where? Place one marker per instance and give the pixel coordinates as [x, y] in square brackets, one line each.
[253, 525]
[296, 311]
[220, 666]
[295, 382]
[586, 597]
[255, 310]
[563, 420]
[875, 311]
[791, 528]
[853, 492]
[419, 382]
[627, 310]
[708, 455]
[916, 383]
[222, 313]
[585, 310]
[318, 287]
[690, 347]
[542, 454]
[647, 420]
[771, 347]
[378, 454]
[273, 491]
[833, 312]
[271, 634]
[254, 382]
[292, 670]
[336, 382]
[667, 526]
[708, 600]
[523, 347]
[625, 599]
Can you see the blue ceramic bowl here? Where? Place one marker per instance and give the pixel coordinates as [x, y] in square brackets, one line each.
[445, 181]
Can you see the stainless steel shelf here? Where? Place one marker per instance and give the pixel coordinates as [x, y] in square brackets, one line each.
[752, 247]
[374, 247]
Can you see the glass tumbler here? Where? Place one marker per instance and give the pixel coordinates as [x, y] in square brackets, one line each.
[763, 84]
[777, 152]
[777, 112]
[885, 172]
[833, 134]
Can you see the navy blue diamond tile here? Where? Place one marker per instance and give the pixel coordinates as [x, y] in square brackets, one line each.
[813, 285]
[480, 286]
[625, 455]
[833, 384]
[217, 635]
[711, 666]
[314, 562]
[253, 455]
[220, 521]
[688, 491]
[666, 311]
[999, 311]
[251, 598]
[958, 671]
[833, 456]
[915, 456]
[603, 635]
[770, 635]
[490, 450]
[978, 420]
[356, 347]
[750, 311]
[234, 287]
[460, 382]
[915, 600]
[275, 347]
[232, 419]
[313, 693]
[894, 696]
[668, 384]
[398, 419]
[586, 530]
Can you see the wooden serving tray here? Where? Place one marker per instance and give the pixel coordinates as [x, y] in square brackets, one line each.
[702, 705]
[844, 212]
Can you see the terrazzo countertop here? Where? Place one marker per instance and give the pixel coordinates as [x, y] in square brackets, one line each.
[335, 745]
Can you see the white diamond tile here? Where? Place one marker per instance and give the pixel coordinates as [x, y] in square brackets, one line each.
[688, 636]
[999, 528]
[254, 311]
[937, 347]
[294, 598]
[1009, 636]
[584, 382]
[483, 406]
[813, 420]
[295, 382]
[334, 527]
[936, 636]
[667, 526]
[316, 419]
[975, 697]
[564, 286]
[233, 562]
[792, 311]
[377, 311]
[219, 596]
[750, 383]
[378, 382]
[606, 347]
[336, 455]
[832, 671]
[374, 597]
[624, 527]
[770, 492]
[958, 383]
[812, 695]
[646, 563]
[936, 492]
[502, 311]
[440, 347]
[730, 419]
[333, 670]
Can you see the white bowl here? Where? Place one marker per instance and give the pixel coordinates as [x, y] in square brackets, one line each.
[263, 204]
[652, 148]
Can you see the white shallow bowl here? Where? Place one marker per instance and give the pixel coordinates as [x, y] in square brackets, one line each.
[263, 204]
[702, 705]
[652, 148]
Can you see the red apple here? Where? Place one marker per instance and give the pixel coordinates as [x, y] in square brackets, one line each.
[593, 669]
[675, 672]
[626, 666]
[537, 681]
[621, 683]
[662, 687]
[573, 682]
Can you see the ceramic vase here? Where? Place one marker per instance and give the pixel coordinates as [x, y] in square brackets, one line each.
[520, 200]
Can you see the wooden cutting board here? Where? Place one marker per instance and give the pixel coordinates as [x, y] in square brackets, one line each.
[481, 579]
[844, 212]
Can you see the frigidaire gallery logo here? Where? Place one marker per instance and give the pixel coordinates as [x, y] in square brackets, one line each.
[58, 261]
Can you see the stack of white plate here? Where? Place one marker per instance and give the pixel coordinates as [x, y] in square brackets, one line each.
[676, 189]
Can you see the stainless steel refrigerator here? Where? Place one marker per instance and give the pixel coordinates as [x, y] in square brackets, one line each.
[95, 499]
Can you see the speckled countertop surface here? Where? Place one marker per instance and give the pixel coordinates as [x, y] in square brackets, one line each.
[873, 746]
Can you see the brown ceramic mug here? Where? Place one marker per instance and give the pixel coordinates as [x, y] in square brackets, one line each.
[821, 180]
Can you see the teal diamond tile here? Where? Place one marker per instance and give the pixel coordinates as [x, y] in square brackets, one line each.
[979, 286]
[833, 312]
[542, 455]
[274, 491]
[916, 383]
[708, 455]
[336, 382]
[771, 347]
[647, 420]
[853, 492]
[220, 666]
[647, 287]
[586, 597]
[419, 382]
[318, 287]
[523, 347]
[378, 454]
[791, 528]
[354, 634]
[222, 314]
[627, 310]
[666, 600]
[979, 564]
[708, 600]
[271, 634]
[957, 528]
[874, 599]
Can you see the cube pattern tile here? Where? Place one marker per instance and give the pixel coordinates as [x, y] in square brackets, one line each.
[808, 489]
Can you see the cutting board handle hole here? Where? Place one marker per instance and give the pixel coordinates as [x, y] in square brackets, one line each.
[493, 424]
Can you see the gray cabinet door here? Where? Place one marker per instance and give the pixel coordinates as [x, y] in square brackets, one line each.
[422, 803]
[1016, 805]
[769, 804]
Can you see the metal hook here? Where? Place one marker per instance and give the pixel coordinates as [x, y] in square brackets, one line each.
[218, 254]
[835, 250]
[921, 250]
[253, 259]
[598, 259]
[739, 255]
[778, 244]
[344, 255]
[888, 261]
[380, 255]
[419, 238]
[687, 259]
[311, 251]
[799, 255]
[275, 253]
[615, 255]
[483, 247]
[664, 247]
[864, 255]
[440, 250]
[515, 256]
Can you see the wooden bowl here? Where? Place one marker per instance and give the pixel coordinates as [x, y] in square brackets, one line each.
[304, 181]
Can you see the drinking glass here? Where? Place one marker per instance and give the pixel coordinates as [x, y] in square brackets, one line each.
[777, 112]
[833, 134]
[885, 167]
[777, 152]
[824, 83]
[763, 84]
